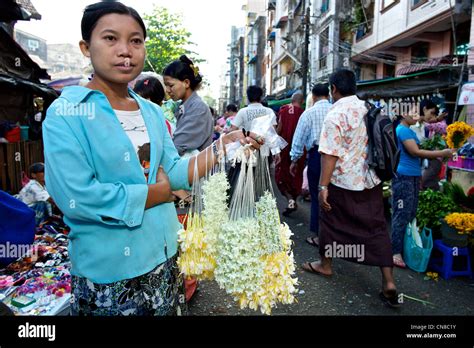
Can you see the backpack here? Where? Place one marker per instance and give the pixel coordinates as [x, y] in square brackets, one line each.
[384, 154]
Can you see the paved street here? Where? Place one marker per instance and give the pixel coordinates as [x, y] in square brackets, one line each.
[353, 290]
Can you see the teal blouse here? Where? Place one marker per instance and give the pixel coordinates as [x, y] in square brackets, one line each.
[93, 174]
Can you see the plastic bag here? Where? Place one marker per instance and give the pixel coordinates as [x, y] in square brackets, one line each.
[264, 126]
[416, 233]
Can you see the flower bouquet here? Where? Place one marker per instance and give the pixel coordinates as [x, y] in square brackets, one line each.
[434, 143]
[457, 134]
[436, 128]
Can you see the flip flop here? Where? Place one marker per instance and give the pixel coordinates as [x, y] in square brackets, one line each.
[309, 268]
[390, 301]
[399, 263]
[310, 241]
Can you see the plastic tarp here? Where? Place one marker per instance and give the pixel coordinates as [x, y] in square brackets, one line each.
[38, 89]
[411, 85]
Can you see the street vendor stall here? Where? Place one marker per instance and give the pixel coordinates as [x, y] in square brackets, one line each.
[461, 168]
[39, 282]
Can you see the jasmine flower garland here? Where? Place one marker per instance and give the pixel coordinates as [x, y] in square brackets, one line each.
[268, 223]
[198, 241]
[215, 212]
[239, 267]
[194, 260]
[255, 262]
[278, 285]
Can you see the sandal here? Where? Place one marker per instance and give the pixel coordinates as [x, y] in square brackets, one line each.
[312, 241]
[391, 300]
[308, 267]
[398, 262]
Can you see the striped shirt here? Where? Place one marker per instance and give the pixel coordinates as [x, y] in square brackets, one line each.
[309, 128]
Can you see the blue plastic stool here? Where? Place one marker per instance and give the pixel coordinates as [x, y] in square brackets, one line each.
[444, 265]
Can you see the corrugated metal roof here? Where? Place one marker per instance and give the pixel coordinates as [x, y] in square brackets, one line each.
[28, 6]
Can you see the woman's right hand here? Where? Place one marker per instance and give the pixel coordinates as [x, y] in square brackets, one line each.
[448, 153]
[160, 192]
[165, 187]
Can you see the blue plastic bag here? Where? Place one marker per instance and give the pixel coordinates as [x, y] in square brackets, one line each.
[416, 257]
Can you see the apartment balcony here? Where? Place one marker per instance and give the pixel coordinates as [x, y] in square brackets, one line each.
[281, 83]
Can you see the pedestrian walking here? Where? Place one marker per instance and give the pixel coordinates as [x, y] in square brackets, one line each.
[289, 184]
[307, 136]
[255, 109]
[350, 193]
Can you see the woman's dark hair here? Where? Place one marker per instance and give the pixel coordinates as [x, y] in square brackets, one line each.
[184, 69]
[428, 104]
[320, 90]
[345, 82]
[150, 88]
[37, 168]
[213, 111]
[96, 11]
[254, 94]
[231, 108]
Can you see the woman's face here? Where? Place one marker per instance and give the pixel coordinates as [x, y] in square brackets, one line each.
[429, 114]
[175, 88]
[116, 48]
[411, 119]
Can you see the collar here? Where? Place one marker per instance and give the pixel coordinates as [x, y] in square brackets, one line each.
[188, 101]
[183, 105]
[321, 101]
[343, 100]
[77, 94]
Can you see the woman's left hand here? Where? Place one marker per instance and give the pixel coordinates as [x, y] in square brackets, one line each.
[250, 138]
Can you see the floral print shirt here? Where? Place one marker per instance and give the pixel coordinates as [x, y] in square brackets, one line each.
[344, 135]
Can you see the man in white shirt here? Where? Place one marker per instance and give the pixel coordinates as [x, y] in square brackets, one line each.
[246, 115]
[34, 194]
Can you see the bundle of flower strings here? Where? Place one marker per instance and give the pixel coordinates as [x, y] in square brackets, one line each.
[195, 259]
[254, 260]
[208, 212]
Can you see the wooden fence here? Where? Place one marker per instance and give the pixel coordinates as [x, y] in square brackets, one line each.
[16, 158]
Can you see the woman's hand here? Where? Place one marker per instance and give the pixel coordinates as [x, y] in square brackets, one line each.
[160, 192]
[448, 153]
[165, 186]
[249, 138]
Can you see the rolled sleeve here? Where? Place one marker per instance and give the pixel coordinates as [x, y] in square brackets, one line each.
[174, 166]
[71, 180]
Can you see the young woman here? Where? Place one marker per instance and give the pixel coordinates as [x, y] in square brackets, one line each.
[406, 185]
[123, 240]
[152, 88]
[194, 125]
